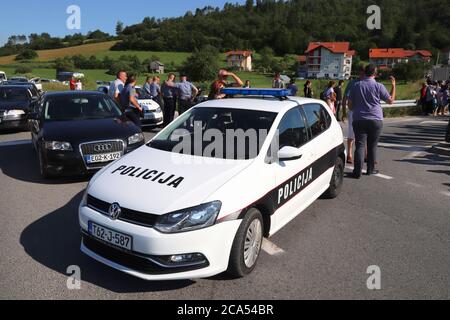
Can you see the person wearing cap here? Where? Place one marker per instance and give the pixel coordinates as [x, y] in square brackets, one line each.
[186, 93]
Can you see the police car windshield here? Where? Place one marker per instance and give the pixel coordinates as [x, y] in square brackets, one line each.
[217, 133]
[82, 107]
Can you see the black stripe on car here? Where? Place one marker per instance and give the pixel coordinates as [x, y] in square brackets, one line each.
[292, 187]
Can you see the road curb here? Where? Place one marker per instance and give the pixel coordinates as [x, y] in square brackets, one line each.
[442, 149]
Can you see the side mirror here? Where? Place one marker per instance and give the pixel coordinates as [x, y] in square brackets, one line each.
[289, 154]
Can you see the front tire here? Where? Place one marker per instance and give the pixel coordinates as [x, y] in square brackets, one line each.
[247, 245]
[337, 180]
[42, 168]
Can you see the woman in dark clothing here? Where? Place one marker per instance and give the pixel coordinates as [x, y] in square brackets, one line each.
[308, 90]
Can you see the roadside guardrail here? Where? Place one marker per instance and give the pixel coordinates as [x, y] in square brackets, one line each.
[400, 104]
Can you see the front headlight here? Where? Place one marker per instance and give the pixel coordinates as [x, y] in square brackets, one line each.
[58, 146]
[195, 218]
[15, 112]
[136, 138]
[159, 110]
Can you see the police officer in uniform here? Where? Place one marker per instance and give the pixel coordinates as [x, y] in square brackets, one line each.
[187, 92]
[169, 93]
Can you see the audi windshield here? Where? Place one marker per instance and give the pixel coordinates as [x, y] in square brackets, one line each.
[82, 107]
[14, 94]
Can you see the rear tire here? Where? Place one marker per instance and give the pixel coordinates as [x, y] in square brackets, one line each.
[247, 245]
[337, 180]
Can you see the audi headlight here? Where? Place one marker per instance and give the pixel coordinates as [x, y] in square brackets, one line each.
[15, 112]
[195, 218]
[58, 146]
[136, 138]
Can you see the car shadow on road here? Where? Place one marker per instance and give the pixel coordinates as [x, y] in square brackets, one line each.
[54, 241]
[20, 162]
[416, 135]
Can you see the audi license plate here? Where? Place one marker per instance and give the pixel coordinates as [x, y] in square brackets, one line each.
[107, 157]
[110, 236]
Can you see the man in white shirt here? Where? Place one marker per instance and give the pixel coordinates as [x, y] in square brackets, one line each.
[117, 86]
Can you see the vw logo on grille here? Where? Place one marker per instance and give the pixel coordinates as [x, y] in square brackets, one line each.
[104, 147]
[114, 211]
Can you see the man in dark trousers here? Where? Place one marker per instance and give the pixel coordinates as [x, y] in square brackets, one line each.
[187, 92]
[169, 93]
[339, 98]
[365, 101]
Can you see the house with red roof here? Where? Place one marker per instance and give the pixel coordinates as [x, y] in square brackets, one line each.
[389, 57]
[240, 59]
[302, 67]
[329, 60]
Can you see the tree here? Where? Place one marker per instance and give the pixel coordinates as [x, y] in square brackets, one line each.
[202, 65]
[249, 5]
[27, 54]
[267, 62]
[119, 28]
[411, 71]
[64, 64]
[98, 35]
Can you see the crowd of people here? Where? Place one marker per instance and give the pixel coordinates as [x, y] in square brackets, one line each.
[434, 97]
[359, 103]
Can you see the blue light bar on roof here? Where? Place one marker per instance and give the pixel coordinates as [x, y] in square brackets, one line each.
[256, 92]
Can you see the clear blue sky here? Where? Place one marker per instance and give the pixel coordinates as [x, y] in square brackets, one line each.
[37, 16]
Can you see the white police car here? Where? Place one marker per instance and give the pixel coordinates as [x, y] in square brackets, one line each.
[152, 114]
[184, 207]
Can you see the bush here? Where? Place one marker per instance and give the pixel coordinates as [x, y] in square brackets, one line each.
[64, 64]
[27, 54]
[122, 65]
[202, 65]
[23, 70]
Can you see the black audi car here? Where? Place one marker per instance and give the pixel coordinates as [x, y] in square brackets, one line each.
[15, 105]
[75, 133]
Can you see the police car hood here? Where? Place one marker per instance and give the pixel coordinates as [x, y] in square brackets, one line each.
[159, 182]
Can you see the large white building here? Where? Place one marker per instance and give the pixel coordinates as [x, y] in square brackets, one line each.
[329, 60]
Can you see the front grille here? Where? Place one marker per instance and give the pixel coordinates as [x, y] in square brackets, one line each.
[102, 147]
[127, 215]
[133, 261]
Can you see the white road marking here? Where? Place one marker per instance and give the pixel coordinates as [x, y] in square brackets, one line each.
[434, 122]
[14, 143]
[382, 176]
[414, 155]
[404, 147]
[271, 248]
[413, 184]
[394, 121]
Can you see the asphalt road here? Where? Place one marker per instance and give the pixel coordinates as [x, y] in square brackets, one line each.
[399, 222]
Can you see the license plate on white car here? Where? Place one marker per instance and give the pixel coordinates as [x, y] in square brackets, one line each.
[110, 236]
[107, 157]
